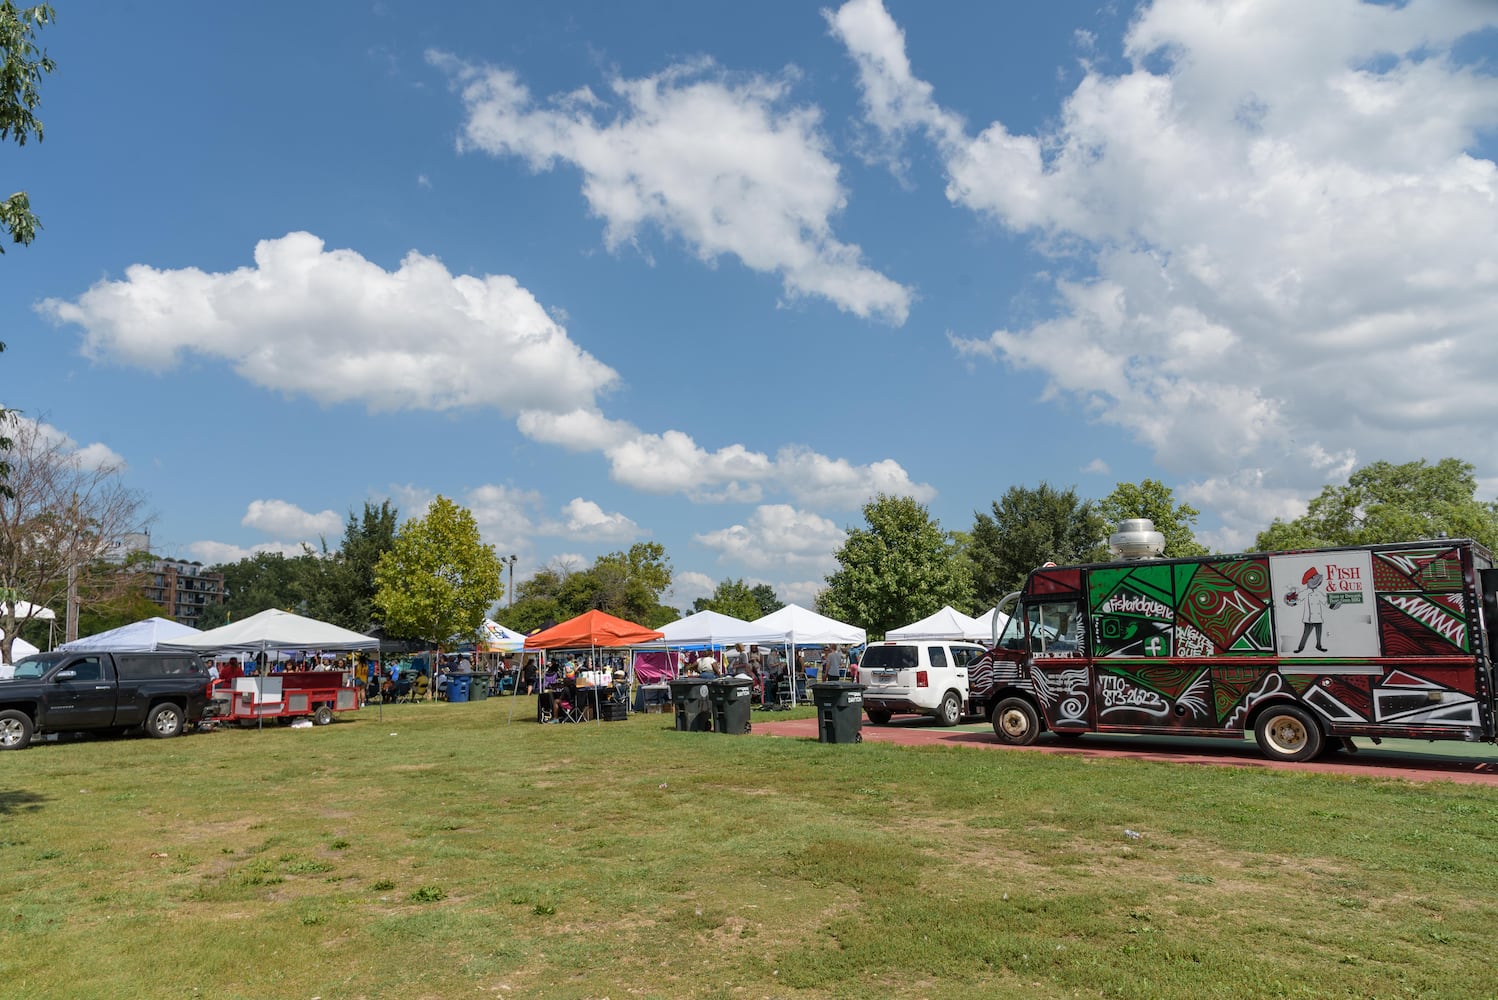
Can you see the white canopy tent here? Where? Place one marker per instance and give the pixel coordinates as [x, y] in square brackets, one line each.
[271, 630]
[984, 625]
[807, 628]
[711, 628]
[496, 638]
[19, 650]
[947, 623]
[136, 637]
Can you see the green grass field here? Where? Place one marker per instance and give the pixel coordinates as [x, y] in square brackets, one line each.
[443, 851]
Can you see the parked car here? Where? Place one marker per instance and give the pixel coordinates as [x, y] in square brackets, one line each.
[924, 677]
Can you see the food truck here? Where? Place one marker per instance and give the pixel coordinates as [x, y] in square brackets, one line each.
[1305, 649]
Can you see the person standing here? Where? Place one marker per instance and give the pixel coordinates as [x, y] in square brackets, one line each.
[836, 663]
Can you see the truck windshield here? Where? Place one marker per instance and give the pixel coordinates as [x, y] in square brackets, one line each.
[32, 667]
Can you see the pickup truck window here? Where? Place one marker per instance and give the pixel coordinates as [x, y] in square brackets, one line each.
[86, 669]
[32, 667]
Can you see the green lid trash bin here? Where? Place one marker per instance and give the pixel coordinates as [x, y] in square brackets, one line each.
[839, 711]
[693, 711]
[731, 698]
[478, 687]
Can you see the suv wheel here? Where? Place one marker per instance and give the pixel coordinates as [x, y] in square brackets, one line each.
[949, 712]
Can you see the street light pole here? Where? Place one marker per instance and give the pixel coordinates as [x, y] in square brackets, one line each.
[511, 591]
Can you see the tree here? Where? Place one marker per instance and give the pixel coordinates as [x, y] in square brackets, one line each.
[1156, 501]
[766, 599]
[259, 582]
[900, 568]
[1028, 528]
[340, 586]
[1383, 502]
[22, 66]
[439, 578]
[60, 520]
[731, 597]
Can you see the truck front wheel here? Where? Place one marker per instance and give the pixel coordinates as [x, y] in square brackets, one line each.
[1015, 722]
[164, 721]
[1288, 732]
[15, 730]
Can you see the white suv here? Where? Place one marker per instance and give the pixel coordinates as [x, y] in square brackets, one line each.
[924, 677]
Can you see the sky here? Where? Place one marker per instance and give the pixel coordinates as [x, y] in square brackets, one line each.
[714, 274]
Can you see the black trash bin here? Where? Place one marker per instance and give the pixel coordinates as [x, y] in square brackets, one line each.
[693, 713]
[839, 711]
[732, 697]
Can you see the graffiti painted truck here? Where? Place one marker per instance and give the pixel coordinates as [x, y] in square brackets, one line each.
[1303, 649]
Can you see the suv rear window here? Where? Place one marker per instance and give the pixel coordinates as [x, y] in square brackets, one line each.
[890, 658]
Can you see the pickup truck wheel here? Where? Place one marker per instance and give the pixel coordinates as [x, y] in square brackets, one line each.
[15, 730]
[164, 721]
[322, 716]
[949, 712]
[1287, 732]
[1015, 722]
[879, 716]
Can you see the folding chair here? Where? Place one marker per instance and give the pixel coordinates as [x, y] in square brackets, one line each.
[417, 691]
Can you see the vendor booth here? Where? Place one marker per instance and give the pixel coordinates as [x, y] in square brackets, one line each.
[590, 693]
[804, 627]
[259, 694]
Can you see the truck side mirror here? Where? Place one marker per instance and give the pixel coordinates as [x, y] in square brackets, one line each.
[64, 675]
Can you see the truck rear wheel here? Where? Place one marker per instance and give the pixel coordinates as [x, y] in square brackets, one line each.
[322, 716]
[879, 716]
[949, 712]
[164, 721]
[15, 730]
[1015, 722]
[1288, 732]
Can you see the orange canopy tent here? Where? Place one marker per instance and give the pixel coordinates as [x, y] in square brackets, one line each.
[592, 628]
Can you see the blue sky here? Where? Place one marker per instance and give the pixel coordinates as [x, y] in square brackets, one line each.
[714, 274]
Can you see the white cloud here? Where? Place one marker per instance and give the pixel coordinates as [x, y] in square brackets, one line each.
[501, 513]
[584, 520]
[802, 592]
[687, 587]
[331, 325]
[93, 456]
[778, 536]
[723, 162]
[217, 553]
[1096, 467]
[1272, 233]
[287, 520]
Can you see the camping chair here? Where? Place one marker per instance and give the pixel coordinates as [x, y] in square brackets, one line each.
[563, 710]
[417, 691]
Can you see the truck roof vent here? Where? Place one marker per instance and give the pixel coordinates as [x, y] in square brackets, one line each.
[1136, 538]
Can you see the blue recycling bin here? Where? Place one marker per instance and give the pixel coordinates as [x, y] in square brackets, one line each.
[458, 686]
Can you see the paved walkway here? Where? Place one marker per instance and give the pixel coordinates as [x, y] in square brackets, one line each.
[1411, 760]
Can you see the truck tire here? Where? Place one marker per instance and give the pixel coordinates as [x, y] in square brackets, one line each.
[879, 716]
[322, 715]
[949, 712]
[164, 721]
[1015, 722]
[15, 730]
[1288, 732]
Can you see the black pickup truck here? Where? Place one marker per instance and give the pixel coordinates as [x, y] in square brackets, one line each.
[61, 692]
